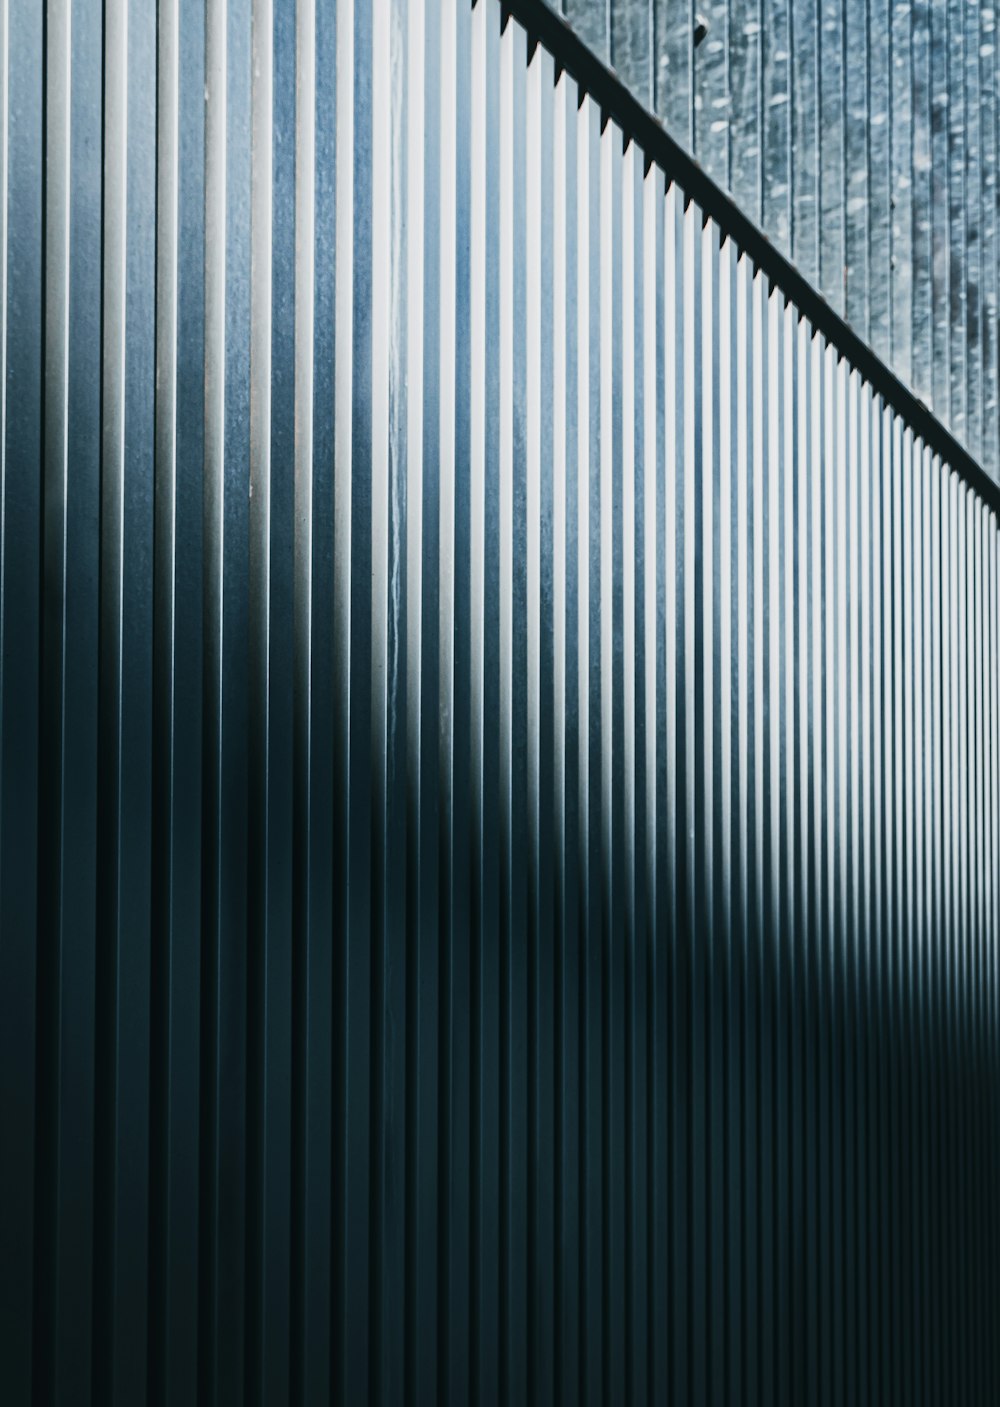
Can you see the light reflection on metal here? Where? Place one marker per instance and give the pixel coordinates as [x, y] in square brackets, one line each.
[863, 138]
[499, 818]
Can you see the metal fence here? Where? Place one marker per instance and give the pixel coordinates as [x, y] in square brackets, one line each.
[498, 749]
[863, 137]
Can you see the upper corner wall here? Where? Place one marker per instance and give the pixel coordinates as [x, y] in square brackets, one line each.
[863, 139]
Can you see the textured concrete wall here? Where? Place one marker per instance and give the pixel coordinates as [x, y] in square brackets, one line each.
[863, 138]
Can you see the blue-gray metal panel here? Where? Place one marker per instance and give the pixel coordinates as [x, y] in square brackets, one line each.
[63, 1317]
[863, 137]
[22, 321]
[498, 721]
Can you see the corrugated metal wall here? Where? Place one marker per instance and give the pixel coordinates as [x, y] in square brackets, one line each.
[498, 754]
[863, 137]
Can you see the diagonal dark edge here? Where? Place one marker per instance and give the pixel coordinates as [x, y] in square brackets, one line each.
[616, 101]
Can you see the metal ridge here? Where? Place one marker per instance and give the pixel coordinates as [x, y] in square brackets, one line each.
[617, 102]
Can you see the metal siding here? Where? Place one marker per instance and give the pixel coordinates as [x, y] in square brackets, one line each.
[499, 804]
[862, 135]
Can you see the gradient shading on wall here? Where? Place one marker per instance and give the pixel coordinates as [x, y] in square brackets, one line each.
[498, 753]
